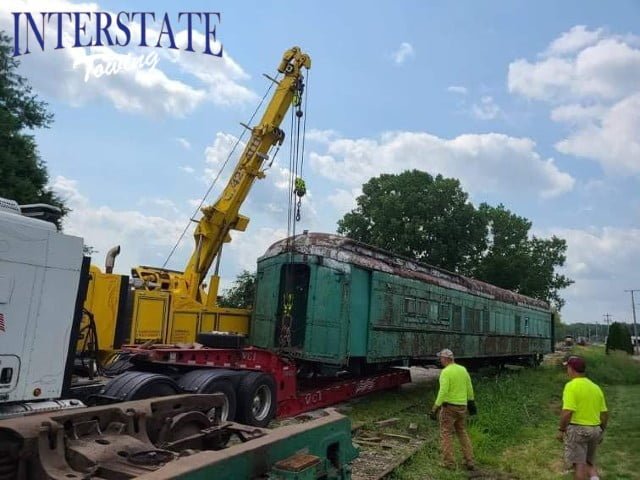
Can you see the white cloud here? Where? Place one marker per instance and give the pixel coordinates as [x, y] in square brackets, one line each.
[247, 247]
[321, 136]
[613, 140]
[344, 200]
[221, 151]
[457, 89]
[61, 73]
[592, 81]
[143, 238]
[184, 143]
[220, 75]
[486, 109]
[187, 169]
[576, 114]
[575, 39]
[601, 261]
[164, 205]
[404, 52]
[610, 69]
[484, 163]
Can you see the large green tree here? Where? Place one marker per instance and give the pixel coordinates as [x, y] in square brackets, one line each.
[23, 174]
[241, 294]
[418, 216]
[432, 220]
[619, 338]
[518, 261]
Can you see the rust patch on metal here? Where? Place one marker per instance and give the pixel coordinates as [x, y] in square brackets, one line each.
[343, 249]
[297, 463]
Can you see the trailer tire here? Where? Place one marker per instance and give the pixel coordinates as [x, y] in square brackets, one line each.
[212, 381]
[257, 399]
[139, 385]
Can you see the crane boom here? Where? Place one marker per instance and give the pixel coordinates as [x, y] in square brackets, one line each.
[212, 230]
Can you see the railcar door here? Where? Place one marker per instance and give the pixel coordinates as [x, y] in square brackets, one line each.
[292, 306]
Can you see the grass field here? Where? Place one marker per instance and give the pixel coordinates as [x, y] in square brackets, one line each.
[514, 432]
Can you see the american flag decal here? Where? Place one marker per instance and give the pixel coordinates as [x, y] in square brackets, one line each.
[2, 323]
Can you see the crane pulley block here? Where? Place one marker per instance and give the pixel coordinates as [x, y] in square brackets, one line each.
[300, 187]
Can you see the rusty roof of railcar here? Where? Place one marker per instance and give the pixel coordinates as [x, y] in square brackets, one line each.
[347, 250]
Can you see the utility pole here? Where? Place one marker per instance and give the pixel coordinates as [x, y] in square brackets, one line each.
[635, 329]
[607, 319]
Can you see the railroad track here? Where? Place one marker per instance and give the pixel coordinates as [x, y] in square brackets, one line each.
[384, 448]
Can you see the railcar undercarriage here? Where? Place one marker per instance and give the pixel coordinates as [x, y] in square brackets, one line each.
[180, 436]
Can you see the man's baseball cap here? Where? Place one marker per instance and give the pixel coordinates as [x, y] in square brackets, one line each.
[445, 353]
[577, 363]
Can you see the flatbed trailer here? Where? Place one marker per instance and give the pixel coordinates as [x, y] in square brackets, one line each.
[293, 395]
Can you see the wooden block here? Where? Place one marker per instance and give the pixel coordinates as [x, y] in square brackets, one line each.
[397, 435]
[388, 421]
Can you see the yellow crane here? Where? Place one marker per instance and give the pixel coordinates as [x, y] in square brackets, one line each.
[170, 306]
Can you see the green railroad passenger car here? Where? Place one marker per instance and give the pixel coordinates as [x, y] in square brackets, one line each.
[337, 304]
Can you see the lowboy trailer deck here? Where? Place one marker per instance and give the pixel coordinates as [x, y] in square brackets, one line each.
[293, 394]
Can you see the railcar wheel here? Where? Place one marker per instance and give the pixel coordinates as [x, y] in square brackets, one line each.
[139, 385]
[257, 399]
[212, 381]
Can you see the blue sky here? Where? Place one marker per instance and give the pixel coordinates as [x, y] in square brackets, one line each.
[535, 105]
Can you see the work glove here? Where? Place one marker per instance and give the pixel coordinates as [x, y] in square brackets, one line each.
[433, 414]
[471, 406]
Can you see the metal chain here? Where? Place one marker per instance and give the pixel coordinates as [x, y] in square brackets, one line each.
[285, 325]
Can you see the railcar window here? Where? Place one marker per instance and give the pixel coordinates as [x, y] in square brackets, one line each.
[486, 324]
[444, 312]
[410, 306]
[473, 319]
[517, 326]
[433, 311]
[526, 325]
[456, 317]
[423, 307]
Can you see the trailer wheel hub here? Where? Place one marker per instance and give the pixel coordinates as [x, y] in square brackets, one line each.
[261, 403]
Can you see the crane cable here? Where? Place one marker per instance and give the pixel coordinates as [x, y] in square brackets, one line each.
[297, 188]
[215, 180]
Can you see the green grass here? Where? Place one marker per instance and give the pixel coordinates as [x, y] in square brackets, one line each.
[617, 368]
[514, 433]
[619, 456]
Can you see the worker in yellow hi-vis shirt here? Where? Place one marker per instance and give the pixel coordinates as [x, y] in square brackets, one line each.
[455, 396]
[583, 420]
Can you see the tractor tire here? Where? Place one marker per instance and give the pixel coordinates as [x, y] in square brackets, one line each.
[257, 399]
[212, 381]
[137, 386]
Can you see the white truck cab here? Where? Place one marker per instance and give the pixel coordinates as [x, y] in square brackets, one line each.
[41, 297]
